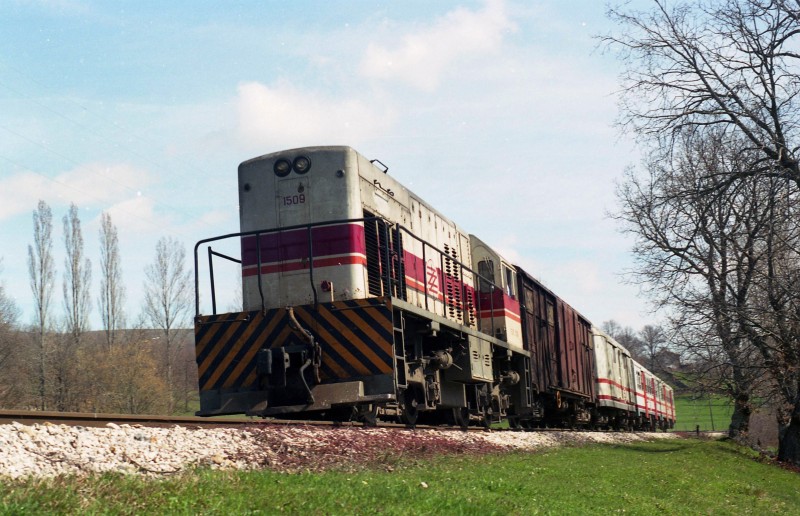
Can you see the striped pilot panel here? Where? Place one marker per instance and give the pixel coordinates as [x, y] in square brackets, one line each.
[355, 338]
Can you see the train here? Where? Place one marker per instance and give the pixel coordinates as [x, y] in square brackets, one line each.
[361, 301]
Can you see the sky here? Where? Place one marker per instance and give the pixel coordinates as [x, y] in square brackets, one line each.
[499, 113]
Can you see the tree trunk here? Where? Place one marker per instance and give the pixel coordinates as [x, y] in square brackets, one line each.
[789, 438]
[740, 419]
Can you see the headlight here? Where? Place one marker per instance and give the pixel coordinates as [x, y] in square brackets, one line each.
[282, 167]
[301, 164]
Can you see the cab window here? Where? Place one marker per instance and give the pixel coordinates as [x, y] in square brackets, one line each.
[486, 272]
[510, 283]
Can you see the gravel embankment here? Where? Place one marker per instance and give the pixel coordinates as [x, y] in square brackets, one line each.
[50, 450]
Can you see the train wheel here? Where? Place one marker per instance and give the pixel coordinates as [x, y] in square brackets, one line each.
[461, 417]
[486, 421]
[410, 410]
[368, 415]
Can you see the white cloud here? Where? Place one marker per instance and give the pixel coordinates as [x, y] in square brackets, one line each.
[279, 116]
[92, 184]
[134, 215]
[424, 56]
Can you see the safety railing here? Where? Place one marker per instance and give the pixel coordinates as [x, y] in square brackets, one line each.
[464, 299]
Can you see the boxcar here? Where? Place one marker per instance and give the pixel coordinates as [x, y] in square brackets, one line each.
[559, 340]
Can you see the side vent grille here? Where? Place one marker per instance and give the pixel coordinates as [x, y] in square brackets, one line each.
[453, 284]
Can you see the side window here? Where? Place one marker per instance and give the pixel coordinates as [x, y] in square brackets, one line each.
[510, 286]
[486, 270]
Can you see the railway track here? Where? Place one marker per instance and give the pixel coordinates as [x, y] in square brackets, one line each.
[89, 419]
[32, 417]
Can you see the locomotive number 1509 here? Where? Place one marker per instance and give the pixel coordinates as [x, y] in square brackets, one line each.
[291, 200]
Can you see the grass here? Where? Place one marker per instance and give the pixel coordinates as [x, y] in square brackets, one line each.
[711, 413]
[670, 477]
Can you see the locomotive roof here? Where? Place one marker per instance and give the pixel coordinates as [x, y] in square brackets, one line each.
[319, 148]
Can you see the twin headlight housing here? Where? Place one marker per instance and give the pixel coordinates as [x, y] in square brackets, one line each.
[300, 164]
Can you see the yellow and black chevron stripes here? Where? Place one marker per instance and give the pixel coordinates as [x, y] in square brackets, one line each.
[355, 337]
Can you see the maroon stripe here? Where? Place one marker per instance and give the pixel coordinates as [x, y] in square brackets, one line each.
[293, 245]
[336, 261]
[499, 300]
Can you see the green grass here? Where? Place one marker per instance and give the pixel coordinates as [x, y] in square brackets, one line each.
[670, 477]
[711, 413]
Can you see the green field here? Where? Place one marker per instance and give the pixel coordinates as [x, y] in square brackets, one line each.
[711, 413]
[685, 476]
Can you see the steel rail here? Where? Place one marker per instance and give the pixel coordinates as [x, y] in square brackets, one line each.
[98, 420]
[33, 417]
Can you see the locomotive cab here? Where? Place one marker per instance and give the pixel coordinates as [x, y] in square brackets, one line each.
[276, 194]
[499, 313]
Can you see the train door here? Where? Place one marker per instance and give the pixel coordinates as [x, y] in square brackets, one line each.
[293, 208]
[548, 332]
[644, 394]
[626, 377]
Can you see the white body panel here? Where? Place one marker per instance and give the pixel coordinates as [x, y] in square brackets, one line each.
[654, 398]
[269, 202]
[499, 310]
[614, 373]
[342, 184]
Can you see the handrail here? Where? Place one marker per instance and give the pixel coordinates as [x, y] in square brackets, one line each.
[476, 278]
[212, 253]
[386, 250]
[258, 233]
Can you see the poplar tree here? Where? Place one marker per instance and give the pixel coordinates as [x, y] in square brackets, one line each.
[42, 276]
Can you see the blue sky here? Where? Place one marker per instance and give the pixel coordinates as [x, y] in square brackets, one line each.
[498, 113]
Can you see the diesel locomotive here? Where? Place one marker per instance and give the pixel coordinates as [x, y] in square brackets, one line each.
[362, 301]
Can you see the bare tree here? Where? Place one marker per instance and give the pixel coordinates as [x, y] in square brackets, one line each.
[77, 303]
[42, 275]
[168, 301]
[8, 345]
[730, 69]
[697, 255]
[77, 277]
[731, 64]
[654, 340]
[112, 290]
[625, 335]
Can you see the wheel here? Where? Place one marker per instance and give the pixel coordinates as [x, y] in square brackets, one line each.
[486, 421]
[461, 417]
[368, 415]
[410, 410]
